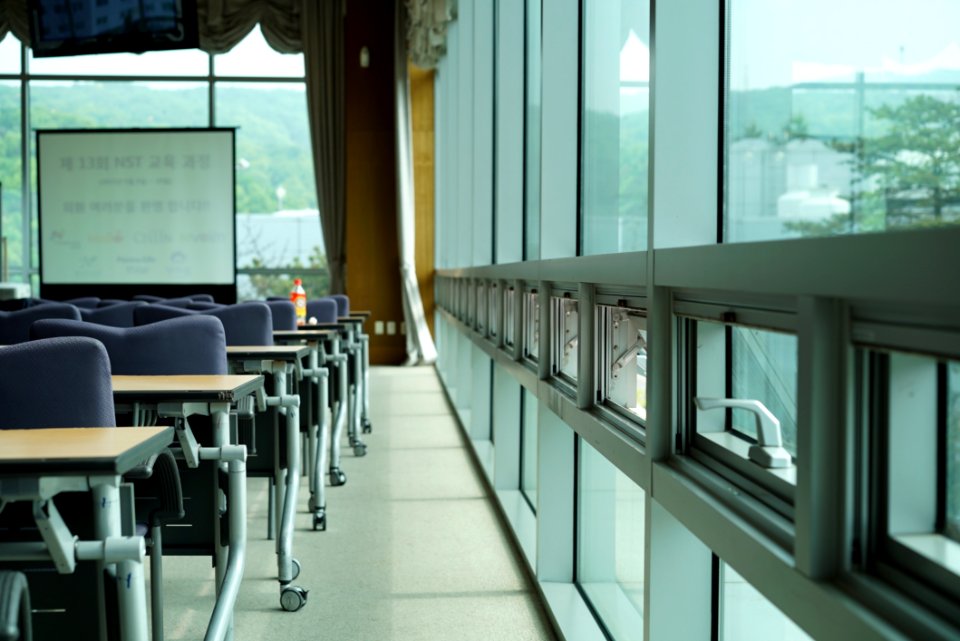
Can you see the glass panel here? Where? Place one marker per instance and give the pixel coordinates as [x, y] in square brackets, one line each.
[615, 125]
[567, 328]
[259, 286]
[624, 358]
[531, 324]
[9, 54]
[610, 554]
[278, 222]
[254, 57]
[90, 105]
[824, 136]
[181, 62]
[746, 615]
[764, 368]
[492, 316]
[481, 307]
[952, 525]
[528, 449]
[11, 164]
[508, 316]
[531, 208]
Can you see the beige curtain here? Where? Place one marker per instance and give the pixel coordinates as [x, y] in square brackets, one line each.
[224, 23]
[13, 17]
[322, 29]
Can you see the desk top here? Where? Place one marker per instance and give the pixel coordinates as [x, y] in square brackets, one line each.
[309, 332]
[360, 313]
[267, 352]
[73, 450]
[218, 387]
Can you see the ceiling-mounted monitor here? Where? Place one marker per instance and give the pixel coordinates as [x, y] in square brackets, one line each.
[78, 27]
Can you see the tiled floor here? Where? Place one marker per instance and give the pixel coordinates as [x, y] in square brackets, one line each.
[413, 549]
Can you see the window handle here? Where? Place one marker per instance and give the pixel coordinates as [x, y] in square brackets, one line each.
[768, 451]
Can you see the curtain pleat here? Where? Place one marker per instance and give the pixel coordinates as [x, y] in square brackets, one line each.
[13, 18]
[322, 38]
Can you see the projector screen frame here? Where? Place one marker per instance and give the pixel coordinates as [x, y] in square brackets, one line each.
[222, 292]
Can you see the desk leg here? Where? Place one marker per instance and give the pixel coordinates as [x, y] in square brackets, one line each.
[365, 381]
[224, 550]
[337, 477]
[221, 621]
[292, 597]
[355, 396]
[319, 442]
[127, 575]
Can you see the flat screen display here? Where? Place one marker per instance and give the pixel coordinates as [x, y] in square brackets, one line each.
[74, 27]
[137, 207]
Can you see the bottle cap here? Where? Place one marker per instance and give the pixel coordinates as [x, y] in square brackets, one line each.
[297, 281]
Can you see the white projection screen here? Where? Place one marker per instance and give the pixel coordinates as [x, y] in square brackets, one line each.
[121, 210]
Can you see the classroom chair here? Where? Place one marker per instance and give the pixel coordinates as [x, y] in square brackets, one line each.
[15, 326]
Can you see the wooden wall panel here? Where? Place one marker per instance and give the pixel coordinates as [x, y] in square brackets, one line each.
[421, 102]
[372, 247]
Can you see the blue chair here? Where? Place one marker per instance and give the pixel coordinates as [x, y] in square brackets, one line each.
[60, 382]
[203, 305]
[343, 304]
[107, 302]
[119, 315]
[15, 614]
[15, 326]
[88, 302]
[243, 324]
[323, 309]
[202, 298]
[283, 313]
[148, 298]
[192, 345]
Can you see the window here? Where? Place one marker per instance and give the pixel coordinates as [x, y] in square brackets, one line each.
[481, 307]
[610, 544]
[508, 316]
[531, 187]
[622, 359]
[9, 55]
[493, 310]
[745, 390]
[746, 615]
[254, 57]
[616, 94]
[528, 448]
[566, 330]
[11, 165]
[917, 402]
[531, 327]
[824, 138]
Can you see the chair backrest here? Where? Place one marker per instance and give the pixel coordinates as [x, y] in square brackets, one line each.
[107, 302]
[16, 304]
[118, 315]
[183, 301]
[191, 345]
[15, 326]
[243, 324]
[203, 305]
[284, 314]
[343, 304]
[202, 298]
[323, 309]
[59, 382]
[148, 298]
[88, 302]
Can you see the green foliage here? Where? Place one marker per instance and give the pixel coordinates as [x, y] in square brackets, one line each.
[315, 284]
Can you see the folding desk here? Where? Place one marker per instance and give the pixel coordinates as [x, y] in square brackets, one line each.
[279, 361]
[316, 379]
[181, 397]
[38, 464]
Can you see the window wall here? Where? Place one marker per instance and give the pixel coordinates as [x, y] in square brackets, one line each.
[744, 390]
[253, 88]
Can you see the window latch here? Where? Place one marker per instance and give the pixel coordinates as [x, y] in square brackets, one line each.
[768, 452]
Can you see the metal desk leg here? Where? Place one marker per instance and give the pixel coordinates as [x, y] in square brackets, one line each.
[337, 477]
[292, 597]
[230, 559]
[319, 442]
[365, 381]
[127, 575]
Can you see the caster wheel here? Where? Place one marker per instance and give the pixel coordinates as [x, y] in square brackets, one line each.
[296, 569]
[320, 521]
[367, 427]
[360, 449]
[337, 477]
[292, 598]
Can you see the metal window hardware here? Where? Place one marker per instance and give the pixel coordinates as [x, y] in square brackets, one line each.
[768, 452]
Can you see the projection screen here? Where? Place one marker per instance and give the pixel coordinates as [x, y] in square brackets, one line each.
[136, 207]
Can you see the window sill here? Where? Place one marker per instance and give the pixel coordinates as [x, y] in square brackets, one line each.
[941, 550]
[740, 449]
